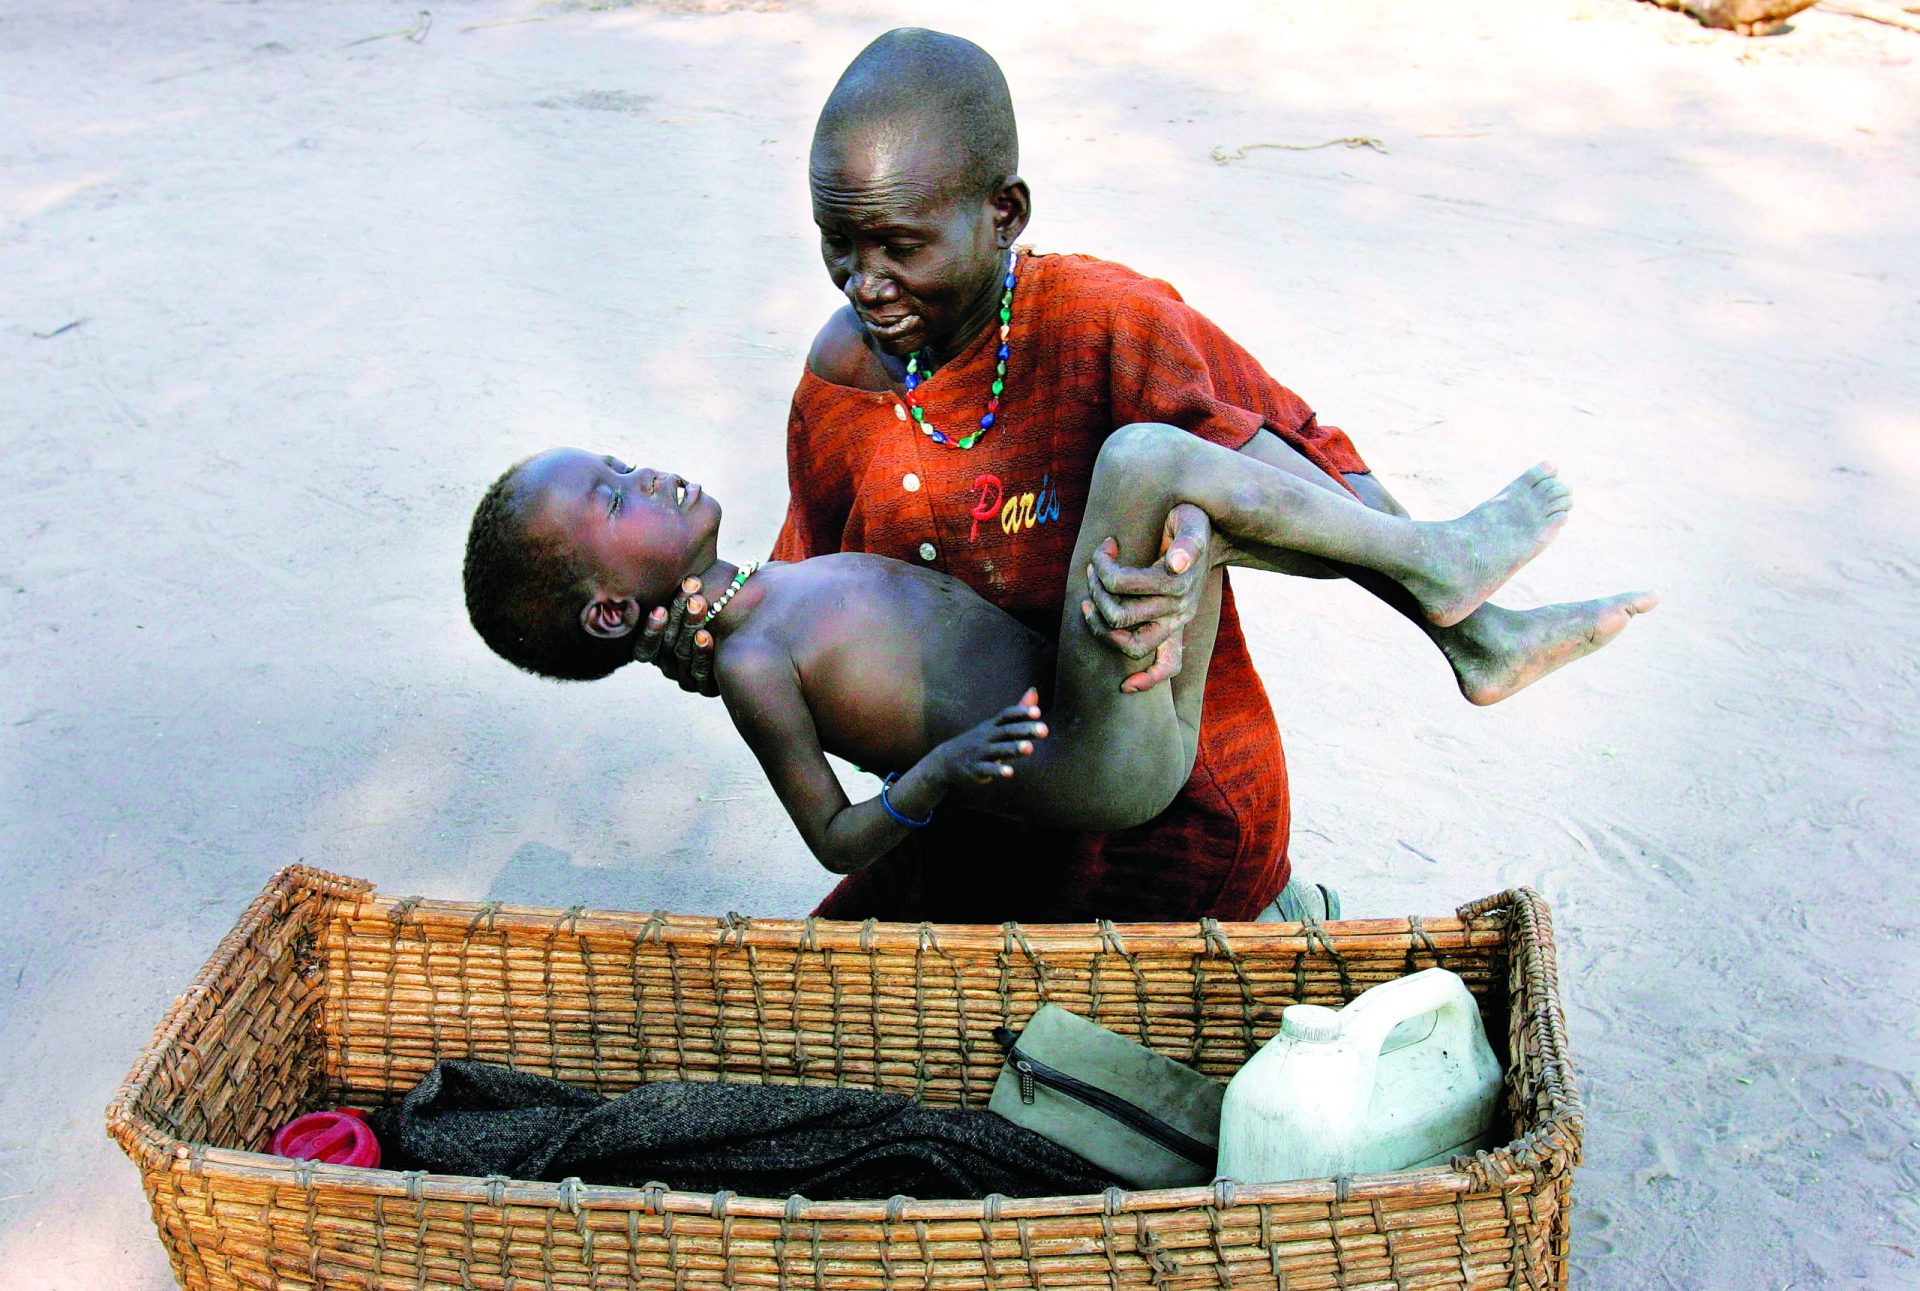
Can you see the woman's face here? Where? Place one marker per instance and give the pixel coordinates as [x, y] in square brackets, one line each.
[918, 249]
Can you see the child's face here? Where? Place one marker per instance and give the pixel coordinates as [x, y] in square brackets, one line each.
[644, 530]
[914, 250]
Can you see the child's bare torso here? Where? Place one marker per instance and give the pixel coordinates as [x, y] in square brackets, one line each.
[891, 657]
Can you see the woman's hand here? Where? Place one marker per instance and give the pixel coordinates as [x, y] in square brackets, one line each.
[672, 641]
[987, 752]
[1142, 613]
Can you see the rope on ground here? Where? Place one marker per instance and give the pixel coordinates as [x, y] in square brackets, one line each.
[422, 24]
[1226, 156]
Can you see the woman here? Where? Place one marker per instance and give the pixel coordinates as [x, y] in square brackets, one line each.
[950, 415]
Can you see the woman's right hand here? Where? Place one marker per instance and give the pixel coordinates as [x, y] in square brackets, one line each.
[1142, 613]
[671, 640]
[987, 752]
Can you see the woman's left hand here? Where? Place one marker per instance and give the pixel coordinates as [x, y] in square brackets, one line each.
[1142, 613]
[672, 640]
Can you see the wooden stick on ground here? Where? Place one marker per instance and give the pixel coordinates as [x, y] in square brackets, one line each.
[1875, 13]
[1746, 17]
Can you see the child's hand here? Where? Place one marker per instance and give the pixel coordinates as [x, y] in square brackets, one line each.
[987, 752]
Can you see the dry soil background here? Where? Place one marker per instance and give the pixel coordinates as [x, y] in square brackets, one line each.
[276, 301]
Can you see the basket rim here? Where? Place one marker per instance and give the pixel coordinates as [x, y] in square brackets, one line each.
[1437, 1183]
[1211, 937]
[1549, 1150]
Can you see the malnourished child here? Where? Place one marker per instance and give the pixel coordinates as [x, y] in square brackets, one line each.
[891, 665]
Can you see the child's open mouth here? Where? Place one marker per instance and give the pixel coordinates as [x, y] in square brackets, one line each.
[685, 494]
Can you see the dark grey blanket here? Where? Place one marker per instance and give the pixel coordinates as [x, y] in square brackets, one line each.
[764, 1140]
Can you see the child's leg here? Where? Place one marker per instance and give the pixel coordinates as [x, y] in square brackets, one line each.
[1115, 759]
[1272, 516]
[1112, 760]
[1494, 652]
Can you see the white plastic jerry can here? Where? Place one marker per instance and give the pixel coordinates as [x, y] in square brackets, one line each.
[1402, 1077]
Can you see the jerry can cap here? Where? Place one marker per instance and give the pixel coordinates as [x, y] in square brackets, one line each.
[340, 1137]
[1312, 1023]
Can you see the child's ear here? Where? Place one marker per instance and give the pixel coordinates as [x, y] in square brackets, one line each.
[1012, 207]
[610, 617]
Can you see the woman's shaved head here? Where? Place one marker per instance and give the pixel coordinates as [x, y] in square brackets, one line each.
[913, 87]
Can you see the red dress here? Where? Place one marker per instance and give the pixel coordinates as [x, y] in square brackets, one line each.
[1094, 347]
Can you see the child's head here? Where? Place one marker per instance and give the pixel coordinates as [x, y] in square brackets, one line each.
[915, 190]
[567, 552]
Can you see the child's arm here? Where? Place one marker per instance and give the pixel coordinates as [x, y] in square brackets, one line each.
[764, 699]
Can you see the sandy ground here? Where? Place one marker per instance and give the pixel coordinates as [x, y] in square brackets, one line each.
[316, 293]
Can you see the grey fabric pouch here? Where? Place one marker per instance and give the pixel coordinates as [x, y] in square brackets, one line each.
[1144, 1118]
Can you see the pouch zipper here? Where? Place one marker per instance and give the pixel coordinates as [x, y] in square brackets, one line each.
[1031, 1071]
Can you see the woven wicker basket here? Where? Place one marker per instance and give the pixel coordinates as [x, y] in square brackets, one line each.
[327, 993]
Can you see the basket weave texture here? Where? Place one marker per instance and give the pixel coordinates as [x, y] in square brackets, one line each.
[327, 993]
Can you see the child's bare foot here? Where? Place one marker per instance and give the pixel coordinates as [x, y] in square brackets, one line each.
[1464, 561]
[1505, 651]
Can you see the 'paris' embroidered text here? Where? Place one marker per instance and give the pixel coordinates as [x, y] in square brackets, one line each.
[1017, 512]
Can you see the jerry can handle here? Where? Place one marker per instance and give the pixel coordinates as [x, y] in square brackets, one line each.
[1369, 1020]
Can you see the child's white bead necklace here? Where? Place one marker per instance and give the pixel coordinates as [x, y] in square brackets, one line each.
[739, 581]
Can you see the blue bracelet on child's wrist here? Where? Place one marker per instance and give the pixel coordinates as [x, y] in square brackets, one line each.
[888, 807]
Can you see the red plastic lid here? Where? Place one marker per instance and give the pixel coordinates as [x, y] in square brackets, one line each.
[338, 1138]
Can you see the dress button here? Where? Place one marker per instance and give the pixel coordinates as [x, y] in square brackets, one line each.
[927, 551]
[910, 482]
[900, 410]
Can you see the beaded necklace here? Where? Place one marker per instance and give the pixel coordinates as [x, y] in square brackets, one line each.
[914, 376]
[739, 581]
